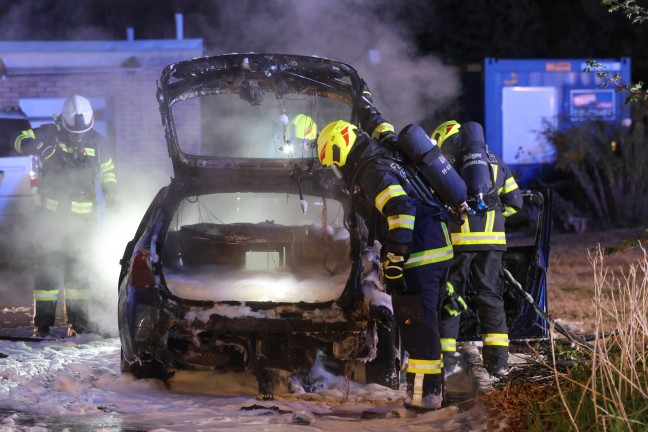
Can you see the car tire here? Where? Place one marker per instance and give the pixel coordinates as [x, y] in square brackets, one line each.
[147, 368]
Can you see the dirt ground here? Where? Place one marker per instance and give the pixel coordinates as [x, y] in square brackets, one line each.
[570, 278]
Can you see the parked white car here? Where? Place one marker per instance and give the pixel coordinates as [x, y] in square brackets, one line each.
[18, 183]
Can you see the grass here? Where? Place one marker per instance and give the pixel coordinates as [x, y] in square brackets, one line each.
[570, 388]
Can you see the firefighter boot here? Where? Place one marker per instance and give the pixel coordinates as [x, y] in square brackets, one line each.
[424, 392]
[75, 330]
[495, 360]
[76, 314]
[41, 331]
[44, 314]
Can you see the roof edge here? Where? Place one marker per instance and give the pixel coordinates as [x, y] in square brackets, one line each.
[101, 46]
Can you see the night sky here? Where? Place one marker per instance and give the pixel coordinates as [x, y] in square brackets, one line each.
[459, 32]
[407, 33]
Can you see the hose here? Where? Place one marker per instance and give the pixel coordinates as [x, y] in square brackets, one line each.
[574, 339]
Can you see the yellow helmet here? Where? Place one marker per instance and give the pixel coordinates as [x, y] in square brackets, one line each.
[445, 130]
[335, 142]
[305, 127]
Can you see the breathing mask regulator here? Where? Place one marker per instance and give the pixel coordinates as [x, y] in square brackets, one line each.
[75, 153]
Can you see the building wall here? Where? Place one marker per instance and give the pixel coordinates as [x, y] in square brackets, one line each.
[124, 73]
[135, 130]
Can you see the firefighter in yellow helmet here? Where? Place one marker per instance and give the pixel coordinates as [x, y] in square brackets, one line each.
[416, 251]
[446, 136]
[478, 244]
[305, 128]
[72, 155]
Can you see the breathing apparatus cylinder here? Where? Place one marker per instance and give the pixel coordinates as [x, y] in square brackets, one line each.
[434, 167]
[474, 166]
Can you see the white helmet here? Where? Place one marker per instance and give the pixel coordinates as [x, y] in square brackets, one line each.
[77, 114]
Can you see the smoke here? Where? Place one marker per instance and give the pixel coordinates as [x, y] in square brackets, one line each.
[52, 20]
[377, 37]
[369, 35]
[366, 34]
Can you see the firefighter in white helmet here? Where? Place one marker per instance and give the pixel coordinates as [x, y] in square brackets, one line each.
[72, 155]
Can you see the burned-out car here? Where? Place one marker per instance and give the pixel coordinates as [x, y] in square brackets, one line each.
[243, 260]
[251, 257]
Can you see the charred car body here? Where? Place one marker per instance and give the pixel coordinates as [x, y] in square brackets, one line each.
[251, 257]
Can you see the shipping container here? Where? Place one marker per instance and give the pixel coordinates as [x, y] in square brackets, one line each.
[525, 96]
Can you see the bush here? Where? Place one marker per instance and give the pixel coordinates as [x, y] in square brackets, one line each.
[606, 168]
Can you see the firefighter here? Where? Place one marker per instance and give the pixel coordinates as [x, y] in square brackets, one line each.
[478, 244]
[416, 251]
[72, 155]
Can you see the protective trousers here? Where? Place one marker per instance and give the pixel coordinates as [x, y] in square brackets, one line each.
[60, 268]
[61, 264]
[482, 270]
[417, 315]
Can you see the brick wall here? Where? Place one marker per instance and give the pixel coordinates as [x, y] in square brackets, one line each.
[135, 129]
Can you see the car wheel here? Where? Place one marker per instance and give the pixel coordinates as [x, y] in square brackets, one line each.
[146, 368]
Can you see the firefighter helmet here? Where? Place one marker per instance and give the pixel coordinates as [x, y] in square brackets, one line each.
[77, 115]
[305, 127]
[445, 130]
[335, 142]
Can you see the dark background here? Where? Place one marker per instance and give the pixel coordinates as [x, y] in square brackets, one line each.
[459, 33]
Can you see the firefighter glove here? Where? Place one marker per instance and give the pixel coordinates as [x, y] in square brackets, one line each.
[392, 268]
[453, 303]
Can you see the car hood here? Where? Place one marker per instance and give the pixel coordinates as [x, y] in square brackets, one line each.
[211, 152]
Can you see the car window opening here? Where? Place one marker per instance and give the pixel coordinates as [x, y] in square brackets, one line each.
[257, 247]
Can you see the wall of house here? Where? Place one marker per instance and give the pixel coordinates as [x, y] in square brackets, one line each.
[124, 74]
[133, 118]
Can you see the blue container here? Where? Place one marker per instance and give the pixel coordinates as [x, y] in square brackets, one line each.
[523, 97]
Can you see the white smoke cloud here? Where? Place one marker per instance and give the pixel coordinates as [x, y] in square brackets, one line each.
[406, 87]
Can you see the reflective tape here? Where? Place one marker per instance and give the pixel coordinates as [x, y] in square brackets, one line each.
[76, 294]
[401, 221]
[381, 128]
[508, 211]
[388, 193]
[109, 177]
[478, 238]
[51, 204]
[23, 135]
[424, 367]
[509, 185]
[46, 295]
[495, 339]
[448, 345]
[429, 257]
[81, 207]
[107, 166]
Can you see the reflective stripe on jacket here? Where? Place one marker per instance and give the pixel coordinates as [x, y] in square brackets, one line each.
[486, 230]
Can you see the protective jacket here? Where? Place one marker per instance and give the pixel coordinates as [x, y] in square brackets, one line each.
[68, 171]
[381, 188]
